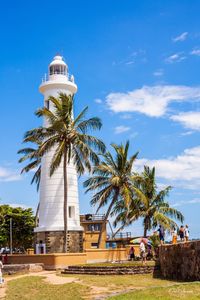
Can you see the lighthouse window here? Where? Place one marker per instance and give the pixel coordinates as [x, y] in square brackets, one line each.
[57, 69]
[71, 211]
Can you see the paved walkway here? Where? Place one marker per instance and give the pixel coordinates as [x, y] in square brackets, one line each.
[50, 277]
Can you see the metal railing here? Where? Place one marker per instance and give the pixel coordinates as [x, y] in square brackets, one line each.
[91, 217]
[120, 235]
[47, 77]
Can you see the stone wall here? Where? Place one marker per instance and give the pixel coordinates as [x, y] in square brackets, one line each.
[22, 268]
[180, 261]
[54, 241]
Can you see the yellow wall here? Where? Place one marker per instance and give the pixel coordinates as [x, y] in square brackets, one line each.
[62, 260]
[90, 237]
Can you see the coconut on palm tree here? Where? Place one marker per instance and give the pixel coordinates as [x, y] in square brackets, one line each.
[67, 137]
[111, 180]
[151, 204]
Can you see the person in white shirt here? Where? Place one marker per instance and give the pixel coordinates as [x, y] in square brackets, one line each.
[1, 267]
[143, 252]
[187, 233]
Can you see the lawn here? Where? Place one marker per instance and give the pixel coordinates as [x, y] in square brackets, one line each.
[125, 287]
[34, 288]
[189, 291]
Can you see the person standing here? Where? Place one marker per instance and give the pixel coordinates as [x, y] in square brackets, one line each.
[161, 232]
[181, 233]
[132, 253]
[1, 267]
[187, 233]
[143, 252]
[174, 235]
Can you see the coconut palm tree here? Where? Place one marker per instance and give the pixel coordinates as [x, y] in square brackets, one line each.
[125, 216]
[34, 164]
[31, 154]
[151, 204]
[67, 138]
[111, 180]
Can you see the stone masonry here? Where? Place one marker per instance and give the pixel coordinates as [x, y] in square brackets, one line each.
[180, 261]
[54, 241]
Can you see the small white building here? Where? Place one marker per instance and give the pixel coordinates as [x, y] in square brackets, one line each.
[50, 230]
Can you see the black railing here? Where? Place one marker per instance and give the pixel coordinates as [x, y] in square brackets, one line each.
[91, 217]
[120, 235]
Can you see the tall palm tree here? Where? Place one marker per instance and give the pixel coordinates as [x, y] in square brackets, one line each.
[67, 137]
[152, 206]
[111, 180]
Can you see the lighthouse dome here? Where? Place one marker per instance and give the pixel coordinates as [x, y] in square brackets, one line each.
[58, 66]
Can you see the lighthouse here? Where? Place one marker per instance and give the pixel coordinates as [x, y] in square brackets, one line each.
[49, 232]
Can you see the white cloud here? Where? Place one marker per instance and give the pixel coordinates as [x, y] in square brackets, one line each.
[195, 52]
[189, 120]
[99, 101]
[121, 129]
[158, 73]
[130, 62]
[176, 57]
[152, 101]
[9, 175]
[126, 116]
[185, 202]
[180, 38]
[180, 171]
[187, 133]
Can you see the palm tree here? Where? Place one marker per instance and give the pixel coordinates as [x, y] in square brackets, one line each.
[111, 180]
[31, 154]
[67, 137]
[153, 207]
[125, 216]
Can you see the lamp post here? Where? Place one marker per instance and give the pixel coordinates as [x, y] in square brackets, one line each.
[11, 251]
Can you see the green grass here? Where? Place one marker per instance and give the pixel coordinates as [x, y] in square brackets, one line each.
[126, 287]
[120, 282]
[34, 288]
[189, 291]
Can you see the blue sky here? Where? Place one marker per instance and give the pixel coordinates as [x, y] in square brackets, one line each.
[137, 66]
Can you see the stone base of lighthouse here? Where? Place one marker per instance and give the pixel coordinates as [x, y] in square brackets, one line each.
[52, 241]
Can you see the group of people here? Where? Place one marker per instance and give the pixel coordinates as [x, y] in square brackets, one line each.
[145, 249]
[183, 233]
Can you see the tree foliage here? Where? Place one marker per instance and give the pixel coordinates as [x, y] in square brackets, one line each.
[111, 180]
[23, 222]
[149, 204]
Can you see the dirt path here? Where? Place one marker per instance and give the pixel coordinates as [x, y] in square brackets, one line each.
[50, 277]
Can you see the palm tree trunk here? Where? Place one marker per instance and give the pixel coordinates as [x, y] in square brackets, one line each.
[36, 215]
[145, 227]
[65, 209]
[106, 218]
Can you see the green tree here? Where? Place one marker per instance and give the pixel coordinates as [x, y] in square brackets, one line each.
[67, 137]
[151, 204]
[111, 180]
[23, 223]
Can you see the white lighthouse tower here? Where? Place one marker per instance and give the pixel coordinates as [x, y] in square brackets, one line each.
[50, 230]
